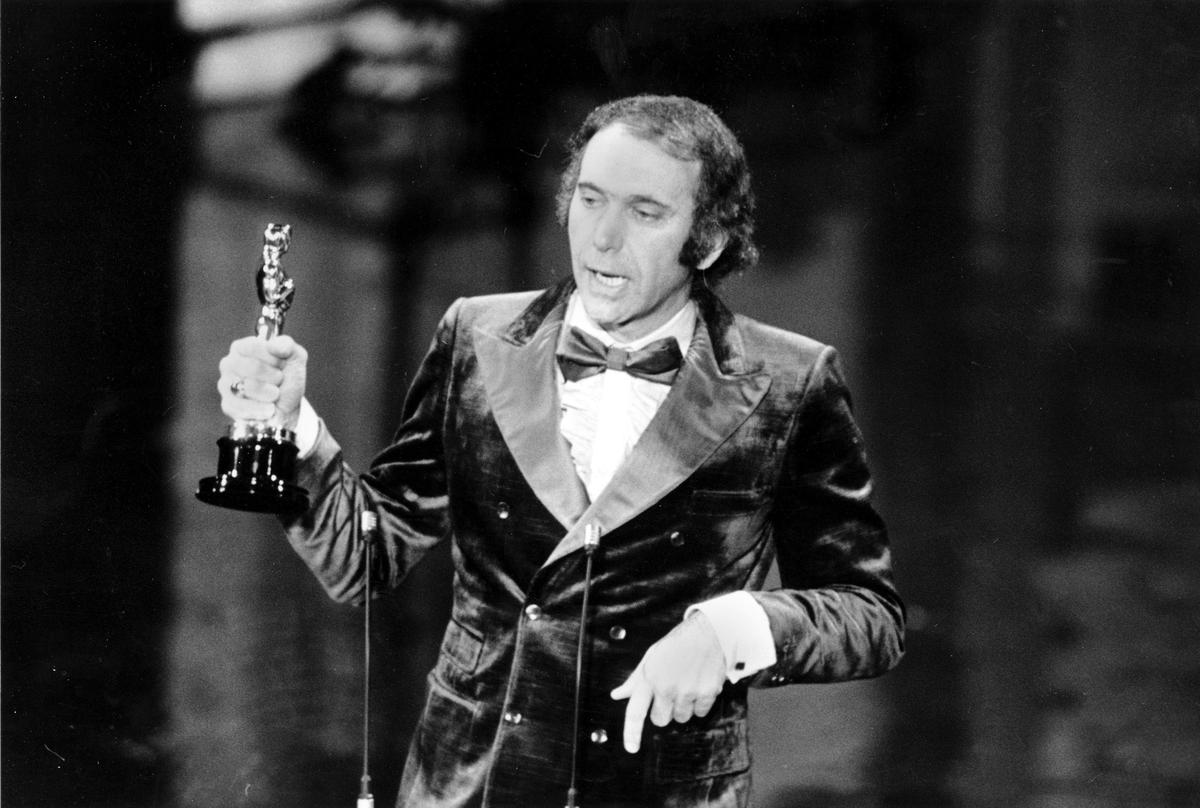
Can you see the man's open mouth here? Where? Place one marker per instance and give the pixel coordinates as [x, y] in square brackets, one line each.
[605, 279]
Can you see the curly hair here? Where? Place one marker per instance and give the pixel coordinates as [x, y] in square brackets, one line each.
[686, 130]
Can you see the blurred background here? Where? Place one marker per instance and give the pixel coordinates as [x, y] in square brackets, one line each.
[992, 209]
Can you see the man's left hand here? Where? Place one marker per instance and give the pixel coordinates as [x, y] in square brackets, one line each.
[680, 676]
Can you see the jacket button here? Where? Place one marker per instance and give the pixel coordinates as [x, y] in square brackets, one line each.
[676, 538]
[513, 717]
[502, 510]
[533, 611]
[617, 632]
[599, 736]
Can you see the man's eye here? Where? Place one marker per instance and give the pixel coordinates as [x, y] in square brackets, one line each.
[589, 200]
[647, 214]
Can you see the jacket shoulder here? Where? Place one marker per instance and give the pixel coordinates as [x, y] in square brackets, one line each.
[492, 312]
[771, 345]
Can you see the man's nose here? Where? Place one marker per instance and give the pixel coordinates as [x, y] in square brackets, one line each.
[610, 230]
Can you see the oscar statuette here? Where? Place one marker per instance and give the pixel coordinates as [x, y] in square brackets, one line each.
[256, 466]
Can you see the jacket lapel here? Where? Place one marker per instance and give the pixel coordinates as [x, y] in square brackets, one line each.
[712, 396]
[517, 369]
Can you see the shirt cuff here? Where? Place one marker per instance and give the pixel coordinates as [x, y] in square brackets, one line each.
[308, 429]
[743, 630]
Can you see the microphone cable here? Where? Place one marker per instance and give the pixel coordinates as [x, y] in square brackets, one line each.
[591, 540]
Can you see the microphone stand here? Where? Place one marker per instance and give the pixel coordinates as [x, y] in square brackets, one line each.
[367, 523]
[591, 540]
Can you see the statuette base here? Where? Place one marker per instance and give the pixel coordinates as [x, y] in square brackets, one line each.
[254, 472]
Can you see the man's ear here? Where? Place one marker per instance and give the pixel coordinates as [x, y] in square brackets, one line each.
[718, 246]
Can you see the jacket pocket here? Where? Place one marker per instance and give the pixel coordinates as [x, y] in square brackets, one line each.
[683, 756]
[447, 760]
[712, 501]
[461, 646]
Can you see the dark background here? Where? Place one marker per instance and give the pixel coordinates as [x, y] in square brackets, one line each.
[991, 208]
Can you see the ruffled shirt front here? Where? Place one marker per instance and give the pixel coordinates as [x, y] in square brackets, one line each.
[604, 415]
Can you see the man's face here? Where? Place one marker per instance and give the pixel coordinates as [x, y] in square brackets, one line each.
[629, 218]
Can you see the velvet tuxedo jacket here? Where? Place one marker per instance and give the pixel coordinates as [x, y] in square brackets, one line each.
[754, 457]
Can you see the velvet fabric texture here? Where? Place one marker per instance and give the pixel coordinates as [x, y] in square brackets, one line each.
[753, 457]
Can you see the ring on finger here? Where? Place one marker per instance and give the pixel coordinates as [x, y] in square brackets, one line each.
[238, 388]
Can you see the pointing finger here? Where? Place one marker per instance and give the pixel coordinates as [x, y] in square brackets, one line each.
[635, 714]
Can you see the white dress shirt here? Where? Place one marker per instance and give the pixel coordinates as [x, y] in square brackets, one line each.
[604, 415]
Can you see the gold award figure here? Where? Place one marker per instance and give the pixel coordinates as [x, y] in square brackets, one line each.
[256, 466]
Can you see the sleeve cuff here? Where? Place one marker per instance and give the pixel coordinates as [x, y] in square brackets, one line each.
[308, 428]
[743, 630]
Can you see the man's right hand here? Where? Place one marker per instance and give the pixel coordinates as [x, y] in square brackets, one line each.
[271, 376]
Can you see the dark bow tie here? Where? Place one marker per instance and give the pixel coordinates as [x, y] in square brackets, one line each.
[583, 355]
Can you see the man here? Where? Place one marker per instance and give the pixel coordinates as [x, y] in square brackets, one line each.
[552, 438]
